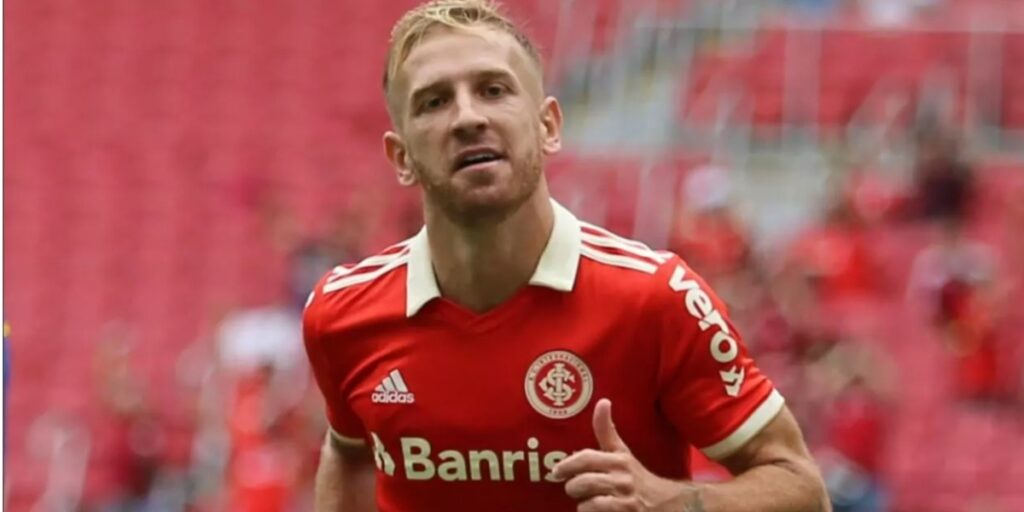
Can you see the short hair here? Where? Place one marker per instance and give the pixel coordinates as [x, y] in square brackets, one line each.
[414, 25]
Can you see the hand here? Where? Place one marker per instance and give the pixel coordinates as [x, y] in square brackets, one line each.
[612, 479]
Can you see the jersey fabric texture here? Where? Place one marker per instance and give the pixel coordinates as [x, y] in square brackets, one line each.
[467, 411]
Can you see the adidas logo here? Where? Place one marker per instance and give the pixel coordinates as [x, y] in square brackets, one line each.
[392, 390]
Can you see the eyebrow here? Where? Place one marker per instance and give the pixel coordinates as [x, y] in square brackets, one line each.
[490, 73]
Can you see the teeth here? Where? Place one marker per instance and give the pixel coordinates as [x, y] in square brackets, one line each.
[479, 158]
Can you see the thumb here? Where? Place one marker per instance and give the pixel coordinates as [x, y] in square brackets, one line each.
[604, 428]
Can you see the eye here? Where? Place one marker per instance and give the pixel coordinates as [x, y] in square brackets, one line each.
[432, 103]
[494, 91]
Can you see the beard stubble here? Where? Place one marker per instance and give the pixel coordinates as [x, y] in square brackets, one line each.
[442, 194]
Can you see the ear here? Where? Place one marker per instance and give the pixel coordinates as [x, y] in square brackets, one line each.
[394, 149]
[551, 126]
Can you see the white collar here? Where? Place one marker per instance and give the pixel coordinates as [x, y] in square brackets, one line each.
[556, 268]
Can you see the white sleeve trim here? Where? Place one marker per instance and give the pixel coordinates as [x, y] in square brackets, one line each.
[347, 441]
[750, 428]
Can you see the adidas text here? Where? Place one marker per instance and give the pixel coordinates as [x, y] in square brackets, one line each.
[392, 397]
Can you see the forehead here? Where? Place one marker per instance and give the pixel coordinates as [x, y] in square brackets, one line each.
[447, 54]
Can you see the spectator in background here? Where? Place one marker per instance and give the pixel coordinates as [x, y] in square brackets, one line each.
[872, 197]
[252, 338]
[262, 370]
[707, 233]
[710, 236]
[854, 383]
[944, 183]
[951, 283]
[250, 392]
[202, 379]
[266, 380]
[835, 256]
[132, 440]
[264, 466]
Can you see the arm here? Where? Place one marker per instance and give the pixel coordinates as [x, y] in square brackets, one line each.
[346, 475]
[716, 397]
[774, 471]
[345, 479]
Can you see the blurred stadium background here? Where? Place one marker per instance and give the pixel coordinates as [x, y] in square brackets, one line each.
[849, 175]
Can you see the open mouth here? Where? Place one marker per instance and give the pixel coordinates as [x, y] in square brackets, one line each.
[477, 158]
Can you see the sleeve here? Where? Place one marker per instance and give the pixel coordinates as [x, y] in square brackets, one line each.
[345, 425]
[709, 387]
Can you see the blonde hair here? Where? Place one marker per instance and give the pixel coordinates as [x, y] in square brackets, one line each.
[459, 14]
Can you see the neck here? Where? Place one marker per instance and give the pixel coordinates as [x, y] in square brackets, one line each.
[480, 267]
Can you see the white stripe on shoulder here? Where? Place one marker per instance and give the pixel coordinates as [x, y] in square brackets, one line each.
[372, 261]
[617, 260]
[640, 246]
[397, 261]
[617, 243]
[609, 234]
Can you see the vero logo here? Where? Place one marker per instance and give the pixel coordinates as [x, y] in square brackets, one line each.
[723, 346]
[392, 390]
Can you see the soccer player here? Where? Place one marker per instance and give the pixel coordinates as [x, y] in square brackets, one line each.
[474, 366]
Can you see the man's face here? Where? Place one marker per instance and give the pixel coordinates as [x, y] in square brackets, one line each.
[473, 124]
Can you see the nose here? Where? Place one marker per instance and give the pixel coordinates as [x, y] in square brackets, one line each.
[469, 121]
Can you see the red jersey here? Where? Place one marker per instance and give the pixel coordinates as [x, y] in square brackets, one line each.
[468, 411]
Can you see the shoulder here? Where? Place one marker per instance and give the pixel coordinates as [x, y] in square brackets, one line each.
[630, 266]
[374, 285]
[619, 258]
[617, 254]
